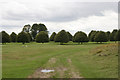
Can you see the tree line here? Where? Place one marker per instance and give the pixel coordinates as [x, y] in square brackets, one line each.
[39, 33]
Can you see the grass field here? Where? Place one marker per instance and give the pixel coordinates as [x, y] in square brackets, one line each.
[88, 60]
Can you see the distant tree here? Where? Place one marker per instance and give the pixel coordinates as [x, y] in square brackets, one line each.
[108, 35]
[62, 37]
[70, 36]
[42, 27]
[5, 37]
[112, 35]
[101, 37]
[30, 37]
[117, 36]
[91, 35]
[26, 28]
[52, 36]
[23, 37]
[80, 37]
[36, 28]
[13, 37]
[42, 37]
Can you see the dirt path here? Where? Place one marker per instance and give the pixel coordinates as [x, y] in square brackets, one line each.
[74, 73]
[61, 70]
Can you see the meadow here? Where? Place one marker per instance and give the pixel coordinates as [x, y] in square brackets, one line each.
[89, 60]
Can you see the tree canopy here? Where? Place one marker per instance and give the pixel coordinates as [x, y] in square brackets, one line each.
[5, 37]
[80, 37]
[101, 37]
[62, 37]
[52, 36]
[42, 37]
[70, 36]
[36, 28]
[13, 37]
[112, 35]
[23, 37]
[117, 36]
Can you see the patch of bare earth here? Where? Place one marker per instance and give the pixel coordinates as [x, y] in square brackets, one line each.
[39, 74]
[73, 72]
[61, 70]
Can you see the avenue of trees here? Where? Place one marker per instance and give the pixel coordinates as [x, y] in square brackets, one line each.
[39, 33]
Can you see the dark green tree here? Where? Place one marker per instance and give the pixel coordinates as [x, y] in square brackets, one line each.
[101, 37]
[117, 36]
[91, 35]
[42, 37]
[108, 35]
[23, 37]
[80, 37]
[36, 28]
[13, 37]
[42, 27]
[52, 36]
[26, 28]
[70, 36]
[30, 37]
[5, 37]
[112, 35]
[62, 37]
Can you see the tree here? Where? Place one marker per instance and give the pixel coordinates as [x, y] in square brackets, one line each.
[70, 36]
[42, 37]
[23, 37]
[30, 37]
[61, 37]
[5, 37]
[42, 27]
[91, 35]
[26, 28]
[36, 28]
[13, 37]
[108, 35]
[80, 37]
[112, 35]
[117, 36]
[101, 37]
[52, 36]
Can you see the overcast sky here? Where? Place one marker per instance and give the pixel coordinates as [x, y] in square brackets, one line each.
[71, 15]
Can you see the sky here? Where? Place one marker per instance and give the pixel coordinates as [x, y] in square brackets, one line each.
[70, 15]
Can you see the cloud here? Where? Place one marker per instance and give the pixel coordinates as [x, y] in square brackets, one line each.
[56, 15]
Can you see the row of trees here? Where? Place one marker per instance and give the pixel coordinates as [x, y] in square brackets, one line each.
[62, 37]
[39, 33]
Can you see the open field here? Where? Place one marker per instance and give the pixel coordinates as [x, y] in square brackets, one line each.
[88, 60]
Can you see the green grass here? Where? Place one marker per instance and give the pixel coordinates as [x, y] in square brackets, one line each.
[20, 62]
